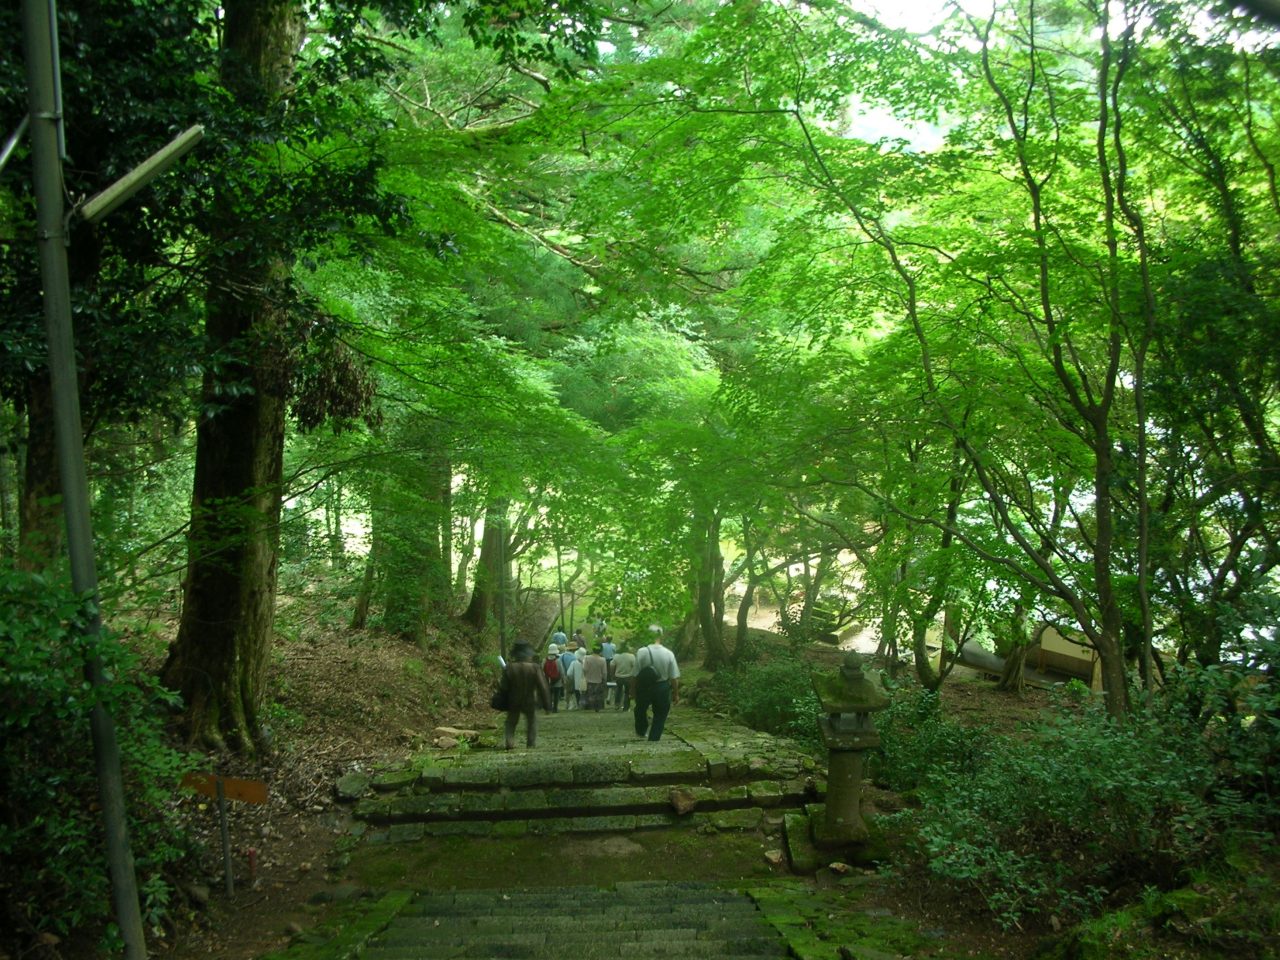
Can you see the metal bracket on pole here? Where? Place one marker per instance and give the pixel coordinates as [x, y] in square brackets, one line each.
[103, 203]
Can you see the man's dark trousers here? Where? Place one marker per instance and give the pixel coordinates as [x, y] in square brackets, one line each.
[659, 697]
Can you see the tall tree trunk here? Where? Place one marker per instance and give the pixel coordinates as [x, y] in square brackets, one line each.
[445, 581]
[741, 641]
[218, 661]
[484, 596]
[437, 591]
[364, 598]
[1013, 677]
[709, 598]
[333, 524]
[1107, 636]
[890, 614]
[7, 516]
[40, 529]
[929, 678]
[466, 552]
[683, 641]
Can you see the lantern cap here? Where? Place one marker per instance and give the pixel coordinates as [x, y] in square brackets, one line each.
[850, 690]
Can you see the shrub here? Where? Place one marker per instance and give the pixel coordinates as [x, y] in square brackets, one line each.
[1053, 826]
[53, 874]
[776, 697]
[1236, 712]
[916, 736]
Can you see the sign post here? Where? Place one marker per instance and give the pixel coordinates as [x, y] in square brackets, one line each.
[223, 789]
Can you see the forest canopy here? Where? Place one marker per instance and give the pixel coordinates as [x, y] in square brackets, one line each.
[950, 328]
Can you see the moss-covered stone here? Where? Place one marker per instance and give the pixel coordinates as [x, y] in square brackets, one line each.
[820, 925]
[570, 801]
[717, 767]
[478, 804]
[396, 780]
[602, 824]
[747, 818]
[801, 853]
[765, 793]
[452, 828]
[551, 825]
[651, 821]
[523, 801]
[667, 767]
[351, 930]
[405, 832]
[601, 771]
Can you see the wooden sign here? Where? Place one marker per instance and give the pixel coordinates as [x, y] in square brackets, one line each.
[246, 791]
[224, 789]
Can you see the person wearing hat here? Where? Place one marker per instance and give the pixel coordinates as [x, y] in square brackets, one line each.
[575, 681]
[595, 671]
[526, 691]
[566, 661]
[551, 669]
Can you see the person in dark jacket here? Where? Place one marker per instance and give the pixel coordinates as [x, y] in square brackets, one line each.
[526, 691]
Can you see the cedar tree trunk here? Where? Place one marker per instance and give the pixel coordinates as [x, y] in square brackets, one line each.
[218, 661]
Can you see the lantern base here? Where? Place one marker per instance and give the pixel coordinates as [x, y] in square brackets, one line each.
[840, 832]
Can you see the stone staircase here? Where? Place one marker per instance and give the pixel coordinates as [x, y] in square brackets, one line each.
[471, 849]
[631, 920]
[590, 773]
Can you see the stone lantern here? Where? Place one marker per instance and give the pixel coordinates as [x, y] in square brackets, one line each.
[848, 700]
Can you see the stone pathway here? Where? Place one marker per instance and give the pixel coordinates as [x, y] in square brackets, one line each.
[591, 780]
[590, 773]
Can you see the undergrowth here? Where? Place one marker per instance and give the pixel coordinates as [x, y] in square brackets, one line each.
[53, 877]
[1081, 813]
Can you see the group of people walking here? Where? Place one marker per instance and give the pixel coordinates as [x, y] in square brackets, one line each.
[592, 676]
[588, 676]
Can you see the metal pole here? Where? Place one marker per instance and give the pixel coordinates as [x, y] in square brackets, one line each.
[38, 32]
[226, 837]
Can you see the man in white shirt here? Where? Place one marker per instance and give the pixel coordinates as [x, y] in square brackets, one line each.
[657, 686]
[624, 671]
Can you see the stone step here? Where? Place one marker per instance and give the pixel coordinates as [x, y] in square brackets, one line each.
[641, 919]
[495, 770]
[557, 803]
[609, 916]
[585, 931]
[583, 749]
[674, 896]
[745, 818]
[701, 950]
[576, 929]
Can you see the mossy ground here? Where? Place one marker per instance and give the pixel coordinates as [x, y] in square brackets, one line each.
[565, 860]
[818, 923]
[832, 924]
[1229, 911]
